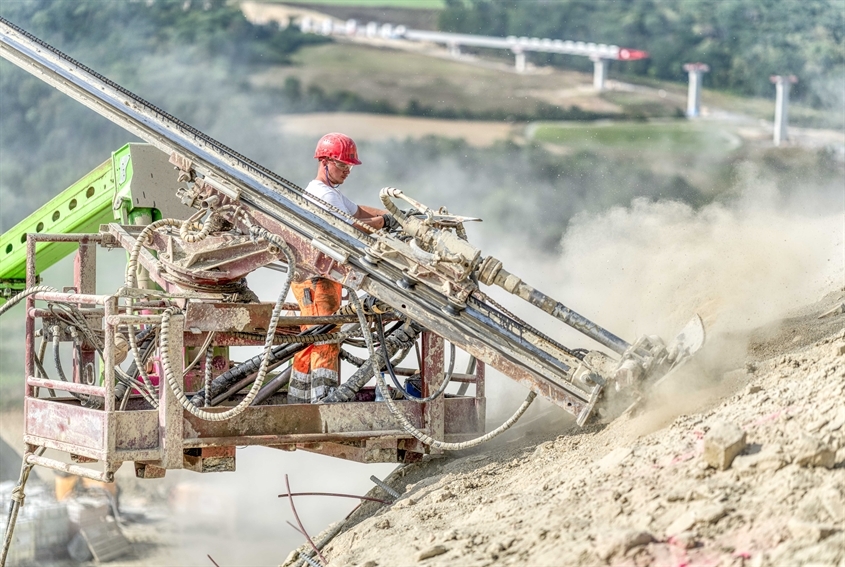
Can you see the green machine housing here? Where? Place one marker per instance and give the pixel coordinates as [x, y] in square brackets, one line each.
[136, 186]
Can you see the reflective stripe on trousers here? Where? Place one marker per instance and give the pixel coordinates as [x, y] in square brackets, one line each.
[316, 368]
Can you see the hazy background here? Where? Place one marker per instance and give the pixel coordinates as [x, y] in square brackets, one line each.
[612, 202]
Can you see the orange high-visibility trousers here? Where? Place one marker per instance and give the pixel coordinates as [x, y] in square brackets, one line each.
[316, 368]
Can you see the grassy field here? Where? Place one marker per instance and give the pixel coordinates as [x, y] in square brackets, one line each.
[401, 76]
[698, 152]
[381, 74]
[671, 137]
[404, 4]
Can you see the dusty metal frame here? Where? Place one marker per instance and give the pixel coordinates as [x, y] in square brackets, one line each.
[171, 438]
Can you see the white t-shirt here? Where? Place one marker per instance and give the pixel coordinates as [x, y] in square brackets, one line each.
[331, 196]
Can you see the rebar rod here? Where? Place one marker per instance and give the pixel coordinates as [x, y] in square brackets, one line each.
[384, 486]
[370, 498]
[298, 521]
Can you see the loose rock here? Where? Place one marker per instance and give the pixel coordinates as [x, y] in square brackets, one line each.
[811, 452]
[683, 523]
[621, 542]
[722, 443]
[432, 552]
[809, 531]
[614, 458]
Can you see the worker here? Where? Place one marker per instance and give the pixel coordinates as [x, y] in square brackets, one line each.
[316, 368]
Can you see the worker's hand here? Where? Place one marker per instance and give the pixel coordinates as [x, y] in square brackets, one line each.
[390, 223]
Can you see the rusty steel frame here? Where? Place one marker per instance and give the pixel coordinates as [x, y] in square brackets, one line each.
[171, 438]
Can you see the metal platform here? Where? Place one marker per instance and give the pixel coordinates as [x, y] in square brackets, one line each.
[169, 437]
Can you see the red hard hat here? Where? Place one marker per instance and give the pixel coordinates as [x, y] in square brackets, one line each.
[337, 146]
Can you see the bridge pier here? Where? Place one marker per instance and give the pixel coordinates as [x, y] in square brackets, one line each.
[520, 61]
[695, 71]
[599, 72]
[782, 86]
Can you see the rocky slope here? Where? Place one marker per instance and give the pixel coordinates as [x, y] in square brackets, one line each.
[646, 489]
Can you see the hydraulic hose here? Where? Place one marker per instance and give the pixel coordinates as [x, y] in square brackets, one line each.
[389, 366]
[191, 231]
[251, 366]
[179, 392]
[409, 427]
[400, 339]
[56, 332]
[356, 361]
[131, 282]
[70, 315]
[209, 358]
[28, 291]
[146, 338]
[302, 339]
[39, 362]
[202, 352]
[238, 386]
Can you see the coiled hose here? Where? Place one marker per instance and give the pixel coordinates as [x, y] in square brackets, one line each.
[179, 392]
[192, 231]
[408, 426]
[132, 282]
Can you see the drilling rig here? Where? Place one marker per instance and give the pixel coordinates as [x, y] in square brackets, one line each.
[149, 380]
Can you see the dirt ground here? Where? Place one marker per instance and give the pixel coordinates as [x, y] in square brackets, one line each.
[640, 491]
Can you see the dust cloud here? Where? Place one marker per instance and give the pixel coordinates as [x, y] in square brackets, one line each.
[648, 267]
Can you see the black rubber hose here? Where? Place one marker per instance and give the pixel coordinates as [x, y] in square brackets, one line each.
[240, 385]
[273, 386]
[251, 366]
[146, 343]
[58, 363]
[435, 395]
[400, 338]
[56, 357]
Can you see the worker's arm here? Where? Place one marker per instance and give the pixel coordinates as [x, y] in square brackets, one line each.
[368, 211]
[370, 216]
